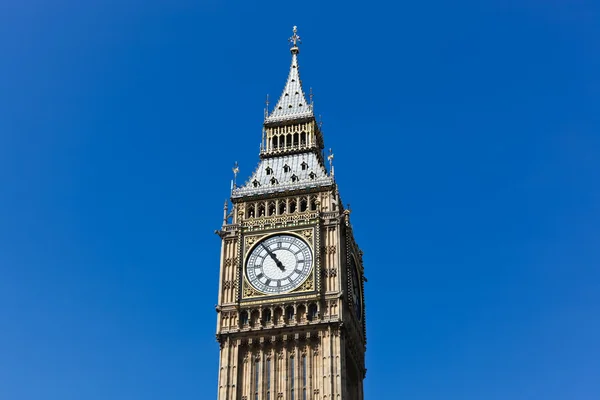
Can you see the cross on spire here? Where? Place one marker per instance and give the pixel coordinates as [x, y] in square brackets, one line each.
[295, 39]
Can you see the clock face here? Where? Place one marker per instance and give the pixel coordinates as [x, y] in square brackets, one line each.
[279, 264]
[356, 296]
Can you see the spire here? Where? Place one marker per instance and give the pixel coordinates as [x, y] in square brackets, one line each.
[292, 104]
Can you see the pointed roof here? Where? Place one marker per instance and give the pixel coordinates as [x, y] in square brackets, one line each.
[292, 104]
[285, 173]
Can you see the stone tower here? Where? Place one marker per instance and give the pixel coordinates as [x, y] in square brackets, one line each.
[291, 314]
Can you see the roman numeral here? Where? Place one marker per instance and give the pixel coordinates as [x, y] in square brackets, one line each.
[268, 282]
[260, 275]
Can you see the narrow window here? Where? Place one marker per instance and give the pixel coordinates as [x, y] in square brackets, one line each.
[250, 210]
[303, 138]
[273, 181]
[267, 315]
[304, 166]
[256, 374]
[272, 208]
[294, 178]
[312, 175]
[286, 168]
[296, 137]
[275, 142]
[282, 207]
[244, 318]
[256, 183]
[289, 314]
[303, 377]
[303, 204]
[292, 378]
[268, 379]
[312, 312]
[269, 170]
[292, 205]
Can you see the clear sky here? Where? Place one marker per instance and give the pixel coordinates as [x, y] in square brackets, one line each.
[466, 138]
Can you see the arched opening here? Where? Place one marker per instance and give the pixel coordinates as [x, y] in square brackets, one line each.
[313, 203]
[254, 319]
[272, 208]
[303, 204]
[312, 312]
[244, 319]
[288, 140]
[275, 142]
[277, 316]
[301, 313]
[261, 209]
[303, 138]
[289, 314]
[282, 207]
[296, 138]
[267, 316]
[250, 210]
[292, 205]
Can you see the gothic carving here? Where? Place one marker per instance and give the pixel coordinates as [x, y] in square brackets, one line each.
[263, 331]
[229, 284]
[249, 291]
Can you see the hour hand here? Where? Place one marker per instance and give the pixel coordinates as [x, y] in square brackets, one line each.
[274, 257]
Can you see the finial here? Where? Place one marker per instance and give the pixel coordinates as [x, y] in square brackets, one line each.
[330, 158]
[235, 170]
[267, 106]
[295, 40]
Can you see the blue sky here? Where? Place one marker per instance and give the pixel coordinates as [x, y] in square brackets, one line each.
[466, 139]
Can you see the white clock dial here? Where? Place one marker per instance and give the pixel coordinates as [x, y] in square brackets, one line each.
[279, 264]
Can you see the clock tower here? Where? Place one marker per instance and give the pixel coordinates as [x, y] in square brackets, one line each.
[290, 313]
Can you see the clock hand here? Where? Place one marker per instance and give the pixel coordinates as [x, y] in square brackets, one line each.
[274, 257]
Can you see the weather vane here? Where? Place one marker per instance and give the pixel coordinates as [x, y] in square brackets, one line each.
[295, 39]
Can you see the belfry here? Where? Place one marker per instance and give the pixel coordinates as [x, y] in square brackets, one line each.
[291, 312]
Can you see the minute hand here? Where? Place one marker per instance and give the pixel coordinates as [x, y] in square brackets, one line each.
[274, 257]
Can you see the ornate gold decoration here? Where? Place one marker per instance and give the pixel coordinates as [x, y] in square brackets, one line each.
[309, 284]
[249, 291]
[250, 240]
